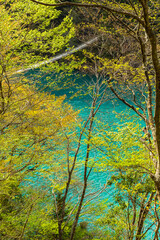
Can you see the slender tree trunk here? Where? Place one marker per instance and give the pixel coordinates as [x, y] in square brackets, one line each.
[24, 227]
[86, 175]
[156, 64]
[142, 216]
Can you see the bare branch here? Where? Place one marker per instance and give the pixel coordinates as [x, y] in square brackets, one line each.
[105, 7]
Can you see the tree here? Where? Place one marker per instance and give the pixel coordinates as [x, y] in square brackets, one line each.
[134, 26]
[31, 122]
[133, 67]
[28, 27]
[134, 207]
[17, 100]
[31, 135]
[33, 126]
[138, 20]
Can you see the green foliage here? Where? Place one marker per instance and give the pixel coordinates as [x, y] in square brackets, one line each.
[31, 33]
[121, 147]
[35, 127]
[32, 124]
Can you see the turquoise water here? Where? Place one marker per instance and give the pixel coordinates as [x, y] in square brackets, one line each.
[107, 114]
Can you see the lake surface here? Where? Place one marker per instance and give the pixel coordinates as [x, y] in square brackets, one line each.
[107, 114]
